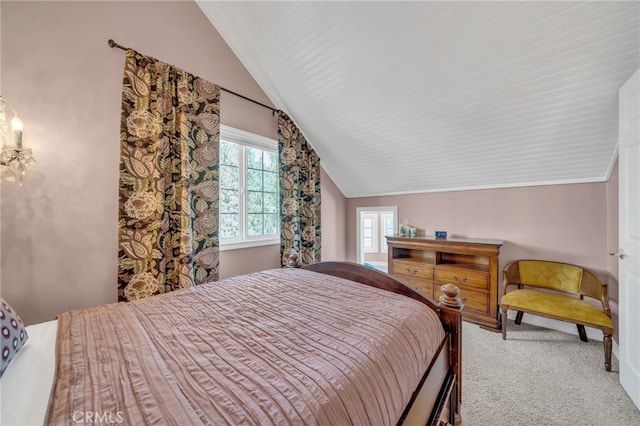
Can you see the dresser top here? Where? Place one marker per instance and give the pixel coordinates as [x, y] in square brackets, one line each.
[432, 238]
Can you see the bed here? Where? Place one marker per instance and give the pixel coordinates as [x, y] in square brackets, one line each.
[331, 343]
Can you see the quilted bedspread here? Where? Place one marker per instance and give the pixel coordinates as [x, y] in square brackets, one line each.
[284, 346]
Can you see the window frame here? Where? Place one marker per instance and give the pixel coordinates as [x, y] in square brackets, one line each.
[246, 139]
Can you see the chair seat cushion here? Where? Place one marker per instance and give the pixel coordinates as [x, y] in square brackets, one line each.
[556, 305]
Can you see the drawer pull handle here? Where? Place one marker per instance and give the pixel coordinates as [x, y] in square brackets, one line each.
[455, 278]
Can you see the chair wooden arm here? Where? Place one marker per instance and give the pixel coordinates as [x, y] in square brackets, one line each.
[510, 275]
[594, 287]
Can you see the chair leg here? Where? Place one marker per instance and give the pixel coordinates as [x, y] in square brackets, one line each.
[582, 333]
[519, 317]
[504, 325]
[607, 352]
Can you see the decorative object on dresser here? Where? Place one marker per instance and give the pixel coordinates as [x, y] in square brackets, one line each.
[407, 230]
[441, 234]
[426, 263]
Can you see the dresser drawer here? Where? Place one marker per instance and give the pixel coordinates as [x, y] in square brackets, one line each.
[463, 278]
[424, 285]
[414, 269]
[476, 301]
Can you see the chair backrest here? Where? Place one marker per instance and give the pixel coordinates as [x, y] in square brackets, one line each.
[553, 275]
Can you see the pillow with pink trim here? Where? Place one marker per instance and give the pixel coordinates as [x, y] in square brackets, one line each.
[13, 334]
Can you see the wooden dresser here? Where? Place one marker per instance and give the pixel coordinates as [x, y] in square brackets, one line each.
[427, 263]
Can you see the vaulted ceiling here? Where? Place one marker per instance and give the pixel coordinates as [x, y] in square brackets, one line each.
[401, 97]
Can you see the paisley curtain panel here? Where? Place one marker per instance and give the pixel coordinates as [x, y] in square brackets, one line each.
[299, 194]
[168, 192]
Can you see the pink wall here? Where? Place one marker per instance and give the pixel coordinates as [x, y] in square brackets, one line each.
[334, 207]
[541, 221]
[59, 234]
[562, 222]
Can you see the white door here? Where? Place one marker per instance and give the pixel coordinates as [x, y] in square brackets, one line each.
[629, 238]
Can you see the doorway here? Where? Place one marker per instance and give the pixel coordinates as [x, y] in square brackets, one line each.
[372, 225]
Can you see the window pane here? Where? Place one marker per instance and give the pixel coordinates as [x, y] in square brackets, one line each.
[254, 202]
[271, 202]
[255, 224]
[229, 177]
[229, 225]
[270, 161]
[254, 158]
[249, 189]
[271, 182]
[271, 224]
[254, 180]
[229, 201]
[229, 153]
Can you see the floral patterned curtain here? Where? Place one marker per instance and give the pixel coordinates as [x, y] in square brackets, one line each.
[168, 205]
[299, 194]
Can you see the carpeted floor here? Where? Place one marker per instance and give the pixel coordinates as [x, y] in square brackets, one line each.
[539, 377]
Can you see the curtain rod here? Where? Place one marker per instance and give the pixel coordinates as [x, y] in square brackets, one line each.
[113, 44]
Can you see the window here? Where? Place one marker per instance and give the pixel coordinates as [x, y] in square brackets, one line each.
[249, 190]
[387, 229]
[369, 235]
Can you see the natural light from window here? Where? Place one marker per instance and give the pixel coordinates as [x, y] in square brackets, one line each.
[249, 200]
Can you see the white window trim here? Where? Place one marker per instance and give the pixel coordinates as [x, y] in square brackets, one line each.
[235, 245]
[231, 134]
[359, 212]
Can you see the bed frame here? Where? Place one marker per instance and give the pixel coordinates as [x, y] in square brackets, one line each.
[437, 399]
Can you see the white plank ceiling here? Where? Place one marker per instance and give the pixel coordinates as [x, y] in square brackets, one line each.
[403, 97]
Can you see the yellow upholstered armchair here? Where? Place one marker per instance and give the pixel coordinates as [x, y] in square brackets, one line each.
[557, 290]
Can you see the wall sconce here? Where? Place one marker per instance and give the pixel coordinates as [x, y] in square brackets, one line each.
[14, 159]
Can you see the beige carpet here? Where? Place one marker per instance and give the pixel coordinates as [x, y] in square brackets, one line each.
[539, 377]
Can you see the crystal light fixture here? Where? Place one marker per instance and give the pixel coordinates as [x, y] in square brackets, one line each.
[14, 159]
